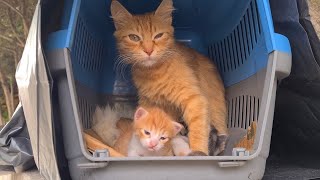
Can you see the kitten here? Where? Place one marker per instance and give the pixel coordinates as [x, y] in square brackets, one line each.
[149, 134]
[170, 75]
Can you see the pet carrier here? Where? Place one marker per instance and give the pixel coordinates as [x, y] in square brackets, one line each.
[237, 35]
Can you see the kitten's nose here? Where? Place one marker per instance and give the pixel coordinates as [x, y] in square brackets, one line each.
[148, 51]
[152, 144]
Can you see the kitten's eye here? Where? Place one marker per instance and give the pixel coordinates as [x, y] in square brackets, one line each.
[134, 37]
[163, 138]
[158, 36]
[146, 132]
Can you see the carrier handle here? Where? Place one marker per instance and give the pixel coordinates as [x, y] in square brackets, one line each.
[227, 164]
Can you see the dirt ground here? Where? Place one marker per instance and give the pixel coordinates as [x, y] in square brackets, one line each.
[314, 6]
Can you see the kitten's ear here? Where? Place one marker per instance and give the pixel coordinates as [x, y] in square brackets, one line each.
[119, 14]
[140, 113]
[164, 11]
[177, 127]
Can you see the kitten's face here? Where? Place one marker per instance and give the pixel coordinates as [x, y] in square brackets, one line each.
[153, 139]
[155, 128]
[146, 39]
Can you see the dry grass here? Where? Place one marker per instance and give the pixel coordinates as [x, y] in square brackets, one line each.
[314, 6]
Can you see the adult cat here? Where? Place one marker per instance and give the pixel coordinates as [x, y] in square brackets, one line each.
[170, 75]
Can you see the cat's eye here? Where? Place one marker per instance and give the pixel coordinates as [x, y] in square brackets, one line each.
[134, 37]
[158, 36]
[146, 132]
[163, 138]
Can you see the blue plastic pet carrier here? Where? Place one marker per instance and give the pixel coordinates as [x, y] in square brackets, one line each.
[237, 35]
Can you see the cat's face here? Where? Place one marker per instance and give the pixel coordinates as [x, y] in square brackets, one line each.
[146, 39]
[154, 128]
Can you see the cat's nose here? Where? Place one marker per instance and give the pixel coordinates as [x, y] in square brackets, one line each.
[148, 51]
[152, 144]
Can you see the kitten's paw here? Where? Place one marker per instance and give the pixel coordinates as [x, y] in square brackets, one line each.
[197, 153]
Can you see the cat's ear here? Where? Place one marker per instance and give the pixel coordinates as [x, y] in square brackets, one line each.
[164, 11]
[140, 113]
[177, 127]
[119, 14]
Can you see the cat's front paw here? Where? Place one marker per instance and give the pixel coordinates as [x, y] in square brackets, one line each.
[197, 153]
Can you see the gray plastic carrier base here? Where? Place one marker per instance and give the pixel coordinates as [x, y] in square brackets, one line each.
[250, 100]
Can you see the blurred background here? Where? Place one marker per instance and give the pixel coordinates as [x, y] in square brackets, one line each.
[314, 6]
[15, 19]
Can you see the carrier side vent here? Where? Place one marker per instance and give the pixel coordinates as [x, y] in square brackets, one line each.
[87, 50]
[86, 111]
[242, 110]
[232, 51]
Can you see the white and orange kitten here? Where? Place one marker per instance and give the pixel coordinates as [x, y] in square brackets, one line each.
[151, 133]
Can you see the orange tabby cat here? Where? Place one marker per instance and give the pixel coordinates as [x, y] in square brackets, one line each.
[150, 133]
[170, 75]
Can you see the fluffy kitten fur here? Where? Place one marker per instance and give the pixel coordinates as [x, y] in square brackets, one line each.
[149, 134]
[170, 75]
[105, 120]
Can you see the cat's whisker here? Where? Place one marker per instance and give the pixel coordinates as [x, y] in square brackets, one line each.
[134, 64]
[117, 63]
[122, 65]
[120, 70]
[123, 71]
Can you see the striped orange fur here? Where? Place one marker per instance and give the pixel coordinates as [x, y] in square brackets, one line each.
[170, 75]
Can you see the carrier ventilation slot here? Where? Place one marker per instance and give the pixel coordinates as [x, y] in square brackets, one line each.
[242, 111]
[86, 111]
[232, 51]
[87, 51]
